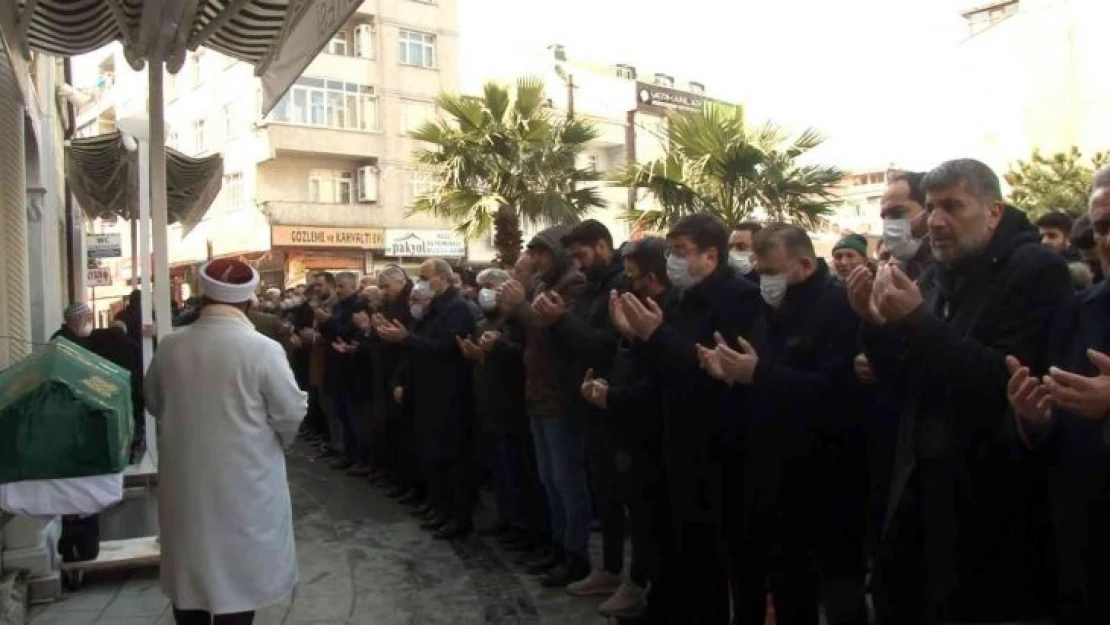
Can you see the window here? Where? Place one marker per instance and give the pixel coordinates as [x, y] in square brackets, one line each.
[418, 49]
[194, 70]
[420, 184]
[233, 191]
[338, 44]
[229, 119]
[364, 41]
[330, 187]
[415, 114]
[331, 103]
[199, 138]
[172, 140]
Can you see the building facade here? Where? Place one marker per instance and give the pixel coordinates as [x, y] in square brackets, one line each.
[326, 179]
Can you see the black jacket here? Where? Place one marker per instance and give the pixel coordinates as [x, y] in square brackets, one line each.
[1078, 454]
[338, 375]
[499, 379]
[385, 358]
[436, 378]
[585, 331]
[696, 408]
[965, 533]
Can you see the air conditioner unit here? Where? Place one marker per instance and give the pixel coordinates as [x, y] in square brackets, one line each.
[366, 179]
[364, 41]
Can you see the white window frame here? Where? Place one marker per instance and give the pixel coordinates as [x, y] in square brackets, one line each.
[420, 183]
[316, 102]
[340, 38]
[200, 136]
[412, 40]
[364, 50]
[428, 112]
[227, 112]
[331, 184]
[234, 198]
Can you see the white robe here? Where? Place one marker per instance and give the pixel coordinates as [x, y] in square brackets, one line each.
[226, 403]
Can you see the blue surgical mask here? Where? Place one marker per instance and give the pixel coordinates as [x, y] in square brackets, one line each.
[416, 310]
[487, 299]
[678, 272]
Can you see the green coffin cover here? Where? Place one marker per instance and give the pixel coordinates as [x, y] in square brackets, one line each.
[64, 412]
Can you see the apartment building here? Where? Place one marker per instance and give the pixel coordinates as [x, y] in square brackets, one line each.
[627, 104]
[326, 179]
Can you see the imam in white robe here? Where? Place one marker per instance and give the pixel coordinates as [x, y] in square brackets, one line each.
[226, 404]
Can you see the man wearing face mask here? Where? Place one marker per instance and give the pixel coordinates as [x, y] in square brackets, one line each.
[902, 208]
[701, 416]
[966, 535]
[585, 332]
[401, 472]
[437, 385]
[496, 351]
[803, 457]
[740, 249]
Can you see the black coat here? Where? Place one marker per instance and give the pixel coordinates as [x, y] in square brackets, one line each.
[966, 530]
[338, 374]
[696, 408]
[499, 379]
[436, 378]
[385, 358]
[1078, 453]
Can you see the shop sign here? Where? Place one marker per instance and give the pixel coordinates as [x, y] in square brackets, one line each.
[99, 276]
[323, 236]
[424, 243]
[107, 245]
[651, 98]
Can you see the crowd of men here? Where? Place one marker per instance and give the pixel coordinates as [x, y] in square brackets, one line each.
[926, 430]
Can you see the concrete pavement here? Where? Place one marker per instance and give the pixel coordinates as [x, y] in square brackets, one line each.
[363, 561]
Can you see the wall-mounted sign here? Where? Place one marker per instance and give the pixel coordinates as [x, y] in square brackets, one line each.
[654, 98]
[425, 243]
[321, 236]
[99, 276]
[107, 245]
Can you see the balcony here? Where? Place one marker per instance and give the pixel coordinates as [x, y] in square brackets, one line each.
[283, 213]
[282, 138]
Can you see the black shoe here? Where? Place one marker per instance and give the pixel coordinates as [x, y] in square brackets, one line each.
[570, 570]
[411, 499]
[434, 523]
[453, 530]
[398, 492]
[547, 563]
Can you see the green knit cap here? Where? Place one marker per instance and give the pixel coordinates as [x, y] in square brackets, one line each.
[855, 242]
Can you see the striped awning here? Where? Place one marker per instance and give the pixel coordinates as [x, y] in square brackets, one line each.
[278, 37]
[104, 177]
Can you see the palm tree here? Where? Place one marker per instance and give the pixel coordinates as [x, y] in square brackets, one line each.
[503, 161]
[714, 162]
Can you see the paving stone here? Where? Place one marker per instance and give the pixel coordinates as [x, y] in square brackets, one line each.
[49, 616]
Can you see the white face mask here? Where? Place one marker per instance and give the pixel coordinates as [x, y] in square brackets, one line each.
[740, 261]
[487, 299]
[416, 310]
[87, 329]
[678, 272]
[773, 289]
[898, 239]
[422, 287]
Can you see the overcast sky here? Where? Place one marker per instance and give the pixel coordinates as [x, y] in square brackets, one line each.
[856, 69]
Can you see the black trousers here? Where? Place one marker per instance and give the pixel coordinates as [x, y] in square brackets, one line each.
[649, 527]
[450, 487]
[315, 420]
[609, 499]
[410, 473]
[199, 617]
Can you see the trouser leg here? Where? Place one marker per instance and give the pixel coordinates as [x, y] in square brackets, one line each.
[608, 497]
[191, 617]
[239, 618]
[567, 447]
[545, 471]
[704, 580]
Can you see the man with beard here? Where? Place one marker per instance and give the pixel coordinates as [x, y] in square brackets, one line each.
[584, 331]
[637, 430]
[339, 331]
[966, 536]
[551, 386]
[394, 451]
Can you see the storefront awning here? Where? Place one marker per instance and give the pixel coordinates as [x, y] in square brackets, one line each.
[104, 178]
[278, 37]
